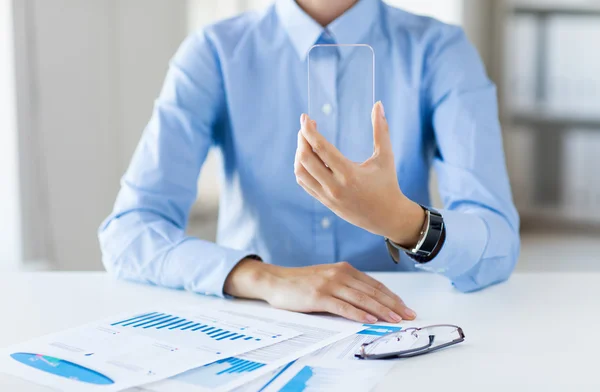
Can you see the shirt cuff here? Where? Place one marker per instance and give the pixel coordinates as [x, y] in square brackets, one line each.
[466, 240]
[212, 265]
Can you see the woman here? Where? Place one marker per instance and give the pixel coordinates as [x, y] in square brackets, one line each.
[299, 221]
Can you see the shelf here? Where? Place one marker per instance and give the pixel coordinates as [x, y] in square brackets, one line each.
[555, 120]
[554, 8]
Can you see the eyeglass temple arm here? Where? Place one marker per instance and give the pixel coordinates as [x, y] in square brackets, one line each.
[411, 353]
[429, 349]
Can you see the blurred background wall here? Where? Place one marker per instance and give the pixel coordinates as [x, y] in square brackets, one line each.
[78, 80]
[11, 243]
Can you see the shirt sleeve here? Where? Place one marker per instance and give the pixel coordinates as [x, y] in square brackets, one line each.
[482, 225]
[144, 238]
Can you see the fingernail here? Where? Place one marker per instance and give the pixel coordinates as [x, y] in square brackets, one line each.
[303, 119]
[395, 317]
[411, 313]
[371, 319]
[381, 110]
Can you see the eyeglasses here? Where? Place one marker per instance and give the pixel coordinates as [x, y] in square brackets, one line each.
[411, 342]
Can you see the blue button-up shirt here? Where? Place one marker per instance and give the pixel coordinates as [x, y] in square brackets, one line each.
[241, 84]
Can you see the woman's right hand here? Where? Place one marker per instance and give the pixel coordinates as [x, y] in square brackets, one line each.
[334, 288]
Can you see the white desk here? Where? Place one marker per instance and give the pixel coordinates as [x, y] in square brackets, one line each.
[538, 332]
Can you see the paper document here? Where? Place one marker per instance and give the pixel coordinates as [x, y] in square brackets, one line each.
[258, 384]
[333, 365]
[316, 374]
[226, 374]
[137, 349]
[345, 349]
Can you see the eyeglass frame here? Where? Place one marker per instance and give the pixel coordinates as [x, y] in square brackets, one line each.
[414, 351]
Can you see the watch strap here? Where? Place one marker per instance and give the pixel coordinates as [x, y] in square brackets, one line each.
[433, 233]
[432, 238]
[436, 250]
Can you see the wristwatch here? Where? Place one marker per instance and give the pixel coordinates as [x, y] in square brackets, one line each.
[432, 237]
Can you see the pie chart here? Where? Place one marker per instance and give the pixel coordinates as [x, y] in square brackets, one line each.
[62, 368]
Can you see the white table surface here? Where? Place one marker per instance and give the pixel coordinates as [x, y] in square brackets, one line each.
[537, 332]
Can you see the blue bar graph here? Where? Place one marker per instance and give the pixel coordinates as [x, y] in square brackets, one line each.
[167, 320]
[218, 373]
[141, 316]
[227, 335]
[378, 330]
[176, 321]
[312, 378]
[143, 319]
[181, 325]
[150, 321]
[237, 365]
[300, 382]
[162, 321]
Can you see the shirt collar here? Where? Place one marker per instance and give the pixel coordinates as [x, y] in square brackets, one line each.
[349, 28]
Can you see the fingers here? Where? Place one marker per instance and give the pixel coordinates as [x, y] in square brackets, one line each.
[391, 309]
[330, 155]
[307, 189]
[341, 308]
[382, 143]
[312, 163]
[366, 302]
[374, 283]
[314, 194]
[405, 312]
[304, 178]
[333, 288]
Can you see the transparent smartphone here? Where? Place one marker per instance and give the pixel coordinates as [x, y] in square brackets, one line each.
[341, 94]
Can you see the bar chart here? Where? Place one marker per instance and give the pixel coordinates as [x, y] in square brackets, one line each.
[378, 330]
[207, 330]
[311, 378]
[320, 374]
[218, 373]
[162, 321]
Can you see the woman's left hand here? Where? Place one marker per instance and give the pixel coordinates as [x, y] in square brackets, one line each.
[365, 194]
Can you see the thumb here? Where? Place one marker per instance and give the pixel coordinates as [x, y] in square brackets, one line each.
[382, 144]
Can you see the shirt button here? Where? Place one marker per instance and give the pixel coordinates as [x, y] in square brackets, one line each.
[325, 223]
[327, 109]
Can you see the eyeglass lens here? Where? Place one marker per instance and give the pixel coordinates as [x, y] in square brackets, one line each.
[412, 340]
